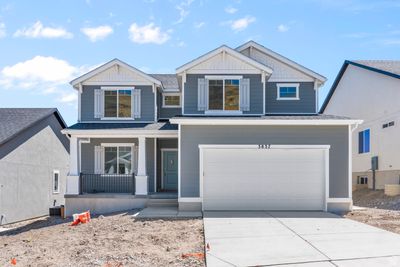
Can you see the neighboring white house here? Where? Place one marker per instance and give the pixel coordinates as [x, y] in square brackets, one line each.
[370, 90]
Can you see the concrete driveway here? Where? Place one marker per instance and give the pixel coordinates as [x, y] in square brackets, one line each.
[296, 239]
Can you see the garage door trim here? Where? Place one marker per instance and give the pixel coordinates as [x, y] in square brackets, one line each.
[326, 148]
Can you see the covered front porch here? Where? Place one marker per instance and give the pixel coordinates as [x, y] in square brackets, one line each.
[122, 163]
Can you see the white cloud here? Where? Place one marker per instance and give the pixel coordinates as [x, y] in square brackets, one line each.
[2, 30]
[37, 30]
[97, 33]
[283, 28]
[42, 75]
[231, 10]
[183, 9]
[242, 24]
[68, 98]
[181, 44]
[147, 34]
[198, 25]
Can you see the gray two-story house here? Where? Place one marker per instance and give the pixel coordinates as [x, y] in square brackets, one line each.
[234, 129]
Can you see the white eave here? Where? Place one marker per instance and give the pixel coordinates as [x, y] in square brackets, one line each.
[119, 133]
[247, 121]
[75, 83]
[229, 51]
[283, 59]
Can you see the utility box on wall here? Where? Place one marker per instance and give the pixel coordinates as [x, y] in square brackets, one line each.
[374, 163]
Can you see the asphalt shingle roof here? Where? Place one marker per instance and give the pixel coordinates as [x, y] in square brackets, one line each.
[392, 66]
[15, 120]
[169, 81]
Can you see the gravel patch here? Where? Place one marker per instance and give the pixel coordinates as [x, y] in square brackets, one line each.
[380, 210]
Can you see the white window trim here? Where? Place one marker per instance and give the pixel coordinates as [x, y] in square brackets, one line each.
[278, 87]
[116, 88]
[222, 111]
[171, 106]
[117, 145]
[58, 186]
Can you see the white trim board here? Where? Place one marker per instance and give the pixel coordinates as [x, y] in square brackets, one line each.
[110, 64]
[326, 148]
[223, 49]
[282, 59]
[244, 121]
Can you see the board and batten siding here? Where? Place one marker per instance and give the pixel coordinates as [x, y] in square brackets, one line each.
[87, 152]
[335, 136]
[191, 94]
[87, 103]
[306, 103]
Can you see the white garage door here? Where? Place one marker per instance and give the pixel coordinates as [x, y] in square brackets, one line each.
[250, 178]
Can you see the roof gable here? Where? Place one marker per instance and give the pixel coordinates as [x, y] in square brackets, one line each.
[117, 72]
[224, 60]
[378, 67]
[16, 120]
[283, 67]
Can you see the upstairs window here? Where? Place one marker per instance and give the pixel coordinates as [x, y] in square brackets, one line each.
[223, 94]
[389, 124]
[117, 103]
[287, 91]
[171, 100]
[364, 141]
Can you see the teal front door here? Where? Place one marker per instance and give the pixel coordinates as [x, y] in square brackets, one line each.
[170, 170]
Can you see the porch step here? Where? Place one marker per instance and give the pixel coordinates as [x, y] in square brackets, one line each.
[162, 202]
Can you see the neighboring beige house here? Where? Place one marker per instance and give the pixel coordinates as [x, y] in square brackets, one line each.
[370, 90]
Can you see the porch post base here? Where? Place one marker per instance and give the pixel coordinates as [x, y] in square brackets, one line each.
[72, 185]
[141, 185]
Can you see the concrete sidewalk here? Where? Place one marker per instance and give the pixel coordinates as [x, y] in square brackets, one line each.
[296, 239]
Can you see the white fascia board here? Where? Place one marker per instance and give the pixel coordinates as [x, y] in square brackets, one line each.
[283, 59]
[261, 122]
[120, 133]
[227, 50]
[108, 65]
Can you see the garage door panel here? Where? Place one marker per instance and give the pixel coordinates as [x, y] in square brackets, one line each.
[263, 179]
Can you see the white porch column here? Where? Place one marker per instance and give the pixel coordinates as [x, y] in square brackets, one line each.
[73, 175]
[141, 177]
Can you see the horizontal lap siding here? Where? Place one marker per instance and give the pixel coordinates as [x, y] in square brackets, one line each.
[256, 93]
[87, 165]
[166, 113]
[336, 136]
[306, 103]
[163, 143]
[87, 103]
[87, 159]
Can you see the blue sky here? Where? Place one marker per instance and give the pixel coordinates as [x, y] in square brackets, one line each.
[45, 44]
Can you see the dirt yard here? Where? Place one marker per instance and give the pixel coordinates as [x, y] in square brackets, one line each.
[381, 211]
[108, 241]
